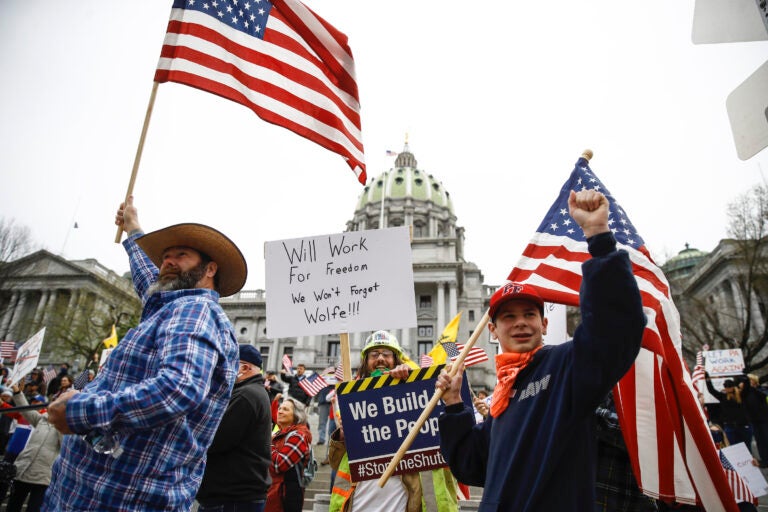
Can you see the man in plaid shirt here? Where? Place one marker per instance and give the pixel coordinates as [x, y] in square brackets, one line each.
[145, 422]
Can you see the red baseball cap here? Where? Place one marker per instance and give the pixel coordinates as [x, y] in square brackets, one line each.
[515, 291]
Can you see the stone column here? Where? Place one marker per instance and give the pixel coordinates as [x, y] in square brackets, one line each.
[41, 304]
[50, 306]
[452, 302]
[440, 306]
[277, 358]
[74, 297]
[18, 312]
[5, 324]
[77, 311]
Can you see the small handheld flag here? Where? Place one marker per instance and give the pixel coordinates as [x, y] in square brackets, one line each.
[445, 346]
[476, 355]
[313, 384]
[287, 363]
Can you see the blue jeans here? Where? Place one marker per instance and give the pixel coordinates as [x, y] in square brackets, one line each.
[234, 506]
[322, 421]
[739, 434]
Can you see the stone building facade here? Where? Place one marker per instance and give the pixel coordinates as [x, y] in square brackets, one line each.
[43, 289]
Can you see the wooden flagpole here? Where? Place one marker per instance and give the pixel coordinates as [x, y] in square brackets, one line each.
[139, 151]
[432, 403]
[345, 357]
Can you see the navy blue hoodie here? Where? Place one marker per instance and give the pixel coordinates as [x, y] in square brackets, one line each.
[539, 454]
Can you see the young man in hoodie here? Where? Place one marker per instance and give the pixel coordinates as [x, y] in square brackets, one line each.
[536, 451]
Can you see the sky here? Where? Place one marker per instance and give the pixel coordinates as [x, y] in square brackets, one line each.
[497, 100]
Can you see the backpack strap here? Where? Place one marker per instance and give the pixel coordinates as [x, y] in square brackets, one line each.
[303, 461]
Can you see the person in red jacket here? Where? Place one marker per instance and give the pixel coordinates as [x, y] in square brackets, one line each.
[290, 446]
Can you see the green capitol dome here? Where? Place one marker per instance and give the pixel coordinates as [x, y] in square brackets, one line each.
[405, 180]
[681, 265]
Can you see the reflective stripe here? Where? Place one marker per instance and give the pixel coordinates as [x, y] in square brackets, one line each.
[341, 492]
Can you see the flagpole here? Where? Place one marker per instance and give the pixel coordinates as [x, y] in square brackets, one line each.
[345, 356]
[433, 402]
[139, 151]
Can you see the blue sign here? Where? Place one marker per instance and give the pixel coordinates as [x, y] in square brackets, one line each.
[378, 413]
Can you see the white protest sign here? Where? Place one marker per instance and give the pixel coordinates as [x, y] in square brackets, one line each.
[741, 460]
[346, 282]
[104, 355]
[557, 326]
[26, 359]
[720, 363]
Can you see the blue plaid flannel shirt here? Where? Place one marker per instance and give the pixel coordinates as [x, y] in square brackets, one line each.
[162, 391]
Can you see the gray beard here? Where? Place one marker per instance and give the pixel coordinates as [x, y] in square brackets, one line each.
[184, 281]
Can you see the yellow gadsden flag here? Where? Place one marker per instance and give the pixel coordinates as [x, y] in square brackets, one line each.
[111, 342]
[439, 353]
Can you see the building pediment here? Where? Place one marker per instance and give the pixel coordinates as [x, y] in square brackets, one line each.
[42, 263]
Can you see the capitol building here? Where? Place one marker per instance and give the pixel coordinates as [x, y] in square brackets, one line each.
[445, 284]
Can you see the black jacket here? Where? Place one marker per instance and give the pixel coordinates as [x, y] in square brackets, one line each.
[294, 389]
[240, 455]
[731, 412]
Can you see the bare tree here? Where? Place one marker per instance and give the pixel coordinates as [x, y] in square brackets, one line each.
[15, 241]
[741, 321]
[83, 335]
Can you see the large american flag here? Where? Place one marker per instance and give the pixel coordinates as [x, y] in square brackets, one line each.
[278, 58]
[313, 384]
[672, 452]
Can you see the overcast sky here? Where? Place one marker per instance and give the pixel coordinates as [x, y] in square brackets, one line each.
[498, 100]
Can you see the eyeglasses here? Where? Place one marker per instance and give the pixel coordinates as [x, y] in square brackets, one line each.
[387, 354]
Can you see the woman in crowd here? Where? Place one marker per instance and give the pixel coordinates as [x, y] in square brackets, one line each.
[33, 465]
[65, 384]
[733, 413]
[290, 448]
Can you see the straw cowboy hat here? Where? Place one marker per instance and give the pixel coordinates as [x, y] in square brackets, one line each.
[232, 269]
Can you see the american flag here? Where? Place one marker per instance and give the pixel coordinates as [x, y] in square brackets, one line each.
[48, 374]
[740, 489]
[425, 361]
[658, 409]
[313, 384]
[81, 380]
[277, 58]
[698, 371]
[451, 349]
[287, 363]
[339, 373]
[476, 355]
[7, 349]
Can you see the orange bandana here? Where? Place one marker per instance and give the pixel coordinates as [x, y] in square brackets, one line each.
[508, 365]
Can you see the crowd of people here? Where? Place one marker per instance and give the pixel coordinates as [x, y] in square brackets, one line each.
[181, 414]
